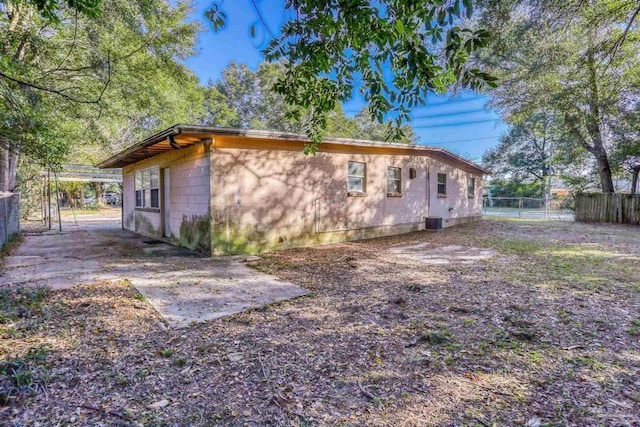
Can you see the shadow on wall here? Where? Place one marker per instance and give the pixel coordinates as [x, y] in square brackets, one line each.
[275, 199]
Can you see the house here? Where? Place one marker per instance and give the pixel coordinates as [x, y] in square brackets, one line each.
[229, 191]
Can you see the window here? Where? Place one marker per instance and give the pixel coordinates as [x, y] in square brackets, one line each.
[471, 187]
[394, 181]
[356, 177]
[148, 188]
[442, 184]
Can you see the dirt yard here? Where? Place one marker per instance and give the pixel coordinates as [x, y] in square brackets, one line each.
[503, 322]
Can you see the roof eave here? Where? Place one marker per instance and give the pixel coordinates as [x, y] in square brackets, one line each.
[185, 129]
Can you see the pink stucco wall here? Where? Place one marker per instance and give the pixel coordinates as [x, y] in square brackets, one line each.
[240, 195]
[189, 190]
[276, 198]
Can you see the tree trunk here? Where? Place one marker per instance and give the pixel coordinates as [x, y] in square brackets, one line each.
[593, 122]
[604, 168]
[634, 180]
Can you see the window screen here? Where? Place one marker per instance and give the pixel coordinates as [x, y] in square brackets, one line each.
[394, 180]
[356, 177]
[442, 184]
[147, 183]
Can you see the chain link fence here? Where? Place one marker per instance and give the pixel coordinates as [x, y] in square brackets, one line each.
[529, 207]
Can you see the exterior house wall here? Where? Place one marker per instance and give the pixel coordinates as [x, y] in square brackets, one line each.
[189, 192]
[267, 197]
[457, 207]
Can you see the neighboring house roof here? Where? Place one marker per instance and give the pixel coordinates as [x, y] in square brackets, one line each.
[186, 135]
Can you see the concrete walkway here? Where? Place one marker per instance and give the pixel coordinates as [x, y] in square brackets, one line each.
[183, 286]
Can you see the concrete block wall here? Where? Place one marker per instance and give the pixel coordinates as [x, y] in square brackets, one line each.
[456, 205]
[9, 216]
[273, 197]
[190, 195]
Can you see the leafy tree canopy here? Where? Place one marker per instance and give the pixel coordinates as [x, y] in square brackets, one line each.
[73, 80]
[244, 98]
[394, 52]
[577, 60]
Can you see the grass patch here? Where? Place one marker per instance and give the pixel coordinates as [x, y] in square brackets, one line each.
[635, 328]
[21, 303]
[7, 248]
[513, 246]
[23, 376]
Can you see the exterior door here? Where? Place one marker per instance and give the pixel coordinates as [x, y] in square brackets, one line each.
[166, 201]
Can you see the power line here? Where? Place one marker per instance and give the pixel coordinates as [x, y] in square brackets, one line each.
[431, 105]
[462, 140]
[456, 124]
[459, 113]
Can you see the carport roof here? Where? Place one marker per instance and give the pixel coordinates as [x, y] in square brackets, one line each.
[186, 135]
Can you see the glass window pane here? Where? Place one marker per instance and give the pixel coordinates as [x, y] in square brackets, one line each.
[145, 179]
[394, 173]
[442, 178]
[356, 169]
[355, 184]
[138, 198]
[155, 201]
[155, 178]
[138, 180]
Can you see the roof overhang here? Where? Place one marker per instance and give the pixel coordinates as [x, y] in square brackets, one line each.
[187, 135]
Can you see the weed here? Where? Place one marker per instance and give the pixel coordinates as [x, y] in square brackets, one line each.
[21, 378]
[180, 361]
[21, 302]
[635, 328]
[167, 352]
[535, 357]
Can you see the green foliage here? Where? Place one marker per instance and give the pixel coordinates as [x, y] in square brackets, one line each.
[49, 9]
[245, 98]
[569, 62]
[514, 188]
[75, 82]
[332, 48]
[525, 152]
[21, 303]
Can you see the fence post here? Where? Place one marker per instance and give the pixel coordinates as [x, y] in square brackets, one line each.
[520, 208]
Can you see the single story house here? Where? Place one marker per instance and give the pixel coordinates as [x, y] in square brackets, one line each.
[230, 191]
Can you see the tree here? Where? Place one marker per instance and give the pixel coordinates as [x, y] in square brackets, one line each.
[71, 75]
[245, 98]
[572, 58]
[626, 156]
[334, 47]
[500, 187]
[526, 151]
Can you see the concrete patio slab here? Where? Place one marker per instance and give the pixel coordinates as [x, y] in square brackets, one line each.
[430, 253]
[183, 286]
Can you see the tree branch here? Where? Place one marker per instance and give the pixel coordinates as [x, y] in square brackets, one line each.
[261, 18]
[622, 38]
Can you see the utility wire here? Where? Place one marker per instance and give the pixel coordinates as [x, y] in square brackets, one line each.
[455, 124]
[462, 140]
[458, 113]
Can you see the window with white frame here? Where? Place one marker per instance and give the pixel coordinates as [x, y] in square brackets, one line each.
[148, 188]
[442, 184]
[356, 180]
[394, 180]
[471, 187]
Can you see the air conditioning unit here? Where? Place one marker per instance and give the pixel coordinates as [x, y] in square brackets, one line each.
[432, 223]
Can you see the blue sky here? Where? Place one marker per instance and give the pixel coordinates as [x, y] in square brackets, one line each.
[460, 124]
